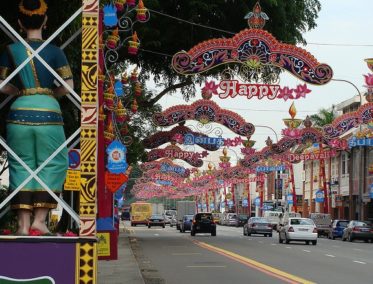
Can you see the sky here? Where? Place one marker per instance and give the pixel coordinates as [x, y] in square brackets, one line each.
[344, 24]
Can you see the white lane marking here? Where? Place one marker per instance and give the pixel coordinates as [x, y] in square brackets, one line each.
[186, 253]
[206, 266]
[273, 244]
[288, 247]
[358, 249]
[156, 234]
[306, 250]
[330, 255]
[336, 246]
[361, 262]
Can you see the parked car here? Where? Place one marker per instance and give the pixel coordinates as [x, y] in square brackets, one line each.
[358, 230]
[258, 225]
[186, 224]
[156, 220]
[241, 220]
[231, 219]
[173, 221]
[217, 217]
[298, 229]
[203, 223]
[337, 228]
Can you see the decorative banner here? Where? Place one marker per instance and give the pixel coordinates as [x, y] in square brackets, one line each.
[257, 201]
[164, 182]
[245, 203]
[190, 139]
[319, 196]
[118, 88]
[116, 152]
[166, 168]
[311, 156]
[355, 142]
[114, 181]
[270, 168]
[232, 88]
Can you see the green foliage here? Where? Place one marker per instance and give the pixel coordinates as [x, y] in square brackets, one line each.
[323, 118]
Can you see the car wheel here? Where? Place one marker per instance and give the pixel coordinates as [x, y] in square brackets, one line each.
[213, 233]
[350, 239]
[279, 239]
[307, 242]
[314, 242]
[149, 227]
[164, 226]
[192, 233]
[270, 235]
[244, 232]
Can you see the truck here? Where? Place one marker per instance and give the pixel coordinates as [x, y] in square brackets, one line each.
[140, 212]
[323, 223]
[157, 209]
[184, 208]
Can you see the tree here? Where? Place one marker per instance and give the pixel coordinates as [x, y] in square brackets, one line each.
[324, 117]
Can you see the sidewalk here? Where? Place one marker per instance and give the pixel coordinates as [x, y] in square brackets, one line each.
[125, 269]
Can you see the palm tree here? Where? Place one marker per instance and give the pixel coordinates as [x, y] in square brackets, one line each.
[324, 117]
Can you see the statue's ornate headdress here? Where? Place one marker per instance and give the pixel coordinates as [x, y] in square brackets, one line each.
[39, 11]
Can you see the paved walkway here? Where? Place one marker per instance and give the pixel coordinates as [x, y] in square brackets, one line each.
[125, 269]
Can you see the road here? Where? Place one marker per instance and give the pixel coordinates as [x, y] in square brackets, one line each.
[231, 257]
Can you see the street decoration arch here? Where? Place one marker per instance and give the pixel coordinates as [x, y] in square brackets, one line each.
[204, 111]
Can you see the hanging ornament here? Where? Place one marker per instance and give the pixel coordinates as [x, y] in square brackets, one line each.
[110, 15]
[120, 112]
[109, 98]
[141, 12]
[138, 89]
[124, 129]
[131, 3]
[113, 39]
[109, 132]
[101, 114]
[124, 79]
[134, 106]
[119, 4]
[134, 75]
[133, 44]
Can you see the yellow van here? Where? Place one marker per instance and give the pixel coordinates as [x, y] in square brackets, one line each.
[140, 212]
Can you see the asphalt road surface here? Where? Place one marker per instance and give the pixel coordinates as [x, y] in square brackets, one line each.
[230, 257]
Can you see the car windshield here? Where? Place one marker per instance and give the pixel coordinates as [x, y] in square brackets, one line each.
[261, 220]
[342, 224]
[360, 224]
[301, 222]
[242, 217]
[156, 217]
[188, 217]
[203, 217]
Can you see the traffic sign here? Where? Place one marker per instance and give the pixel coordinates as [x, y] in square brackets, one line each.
[72, 181]
[257, 201]
[74, 159]
[319, 196]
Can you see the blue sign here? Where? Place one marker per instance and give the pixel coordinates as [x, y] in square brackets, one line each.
[74, 159]
[354, 142]
[110, 15]
[204, 205]
[165, 168]
[245, 202]
[267, 207]
[257, 201]
[118, 88]
[199, 205]
[319, 196]
[222, 205]
[270, 168]
[230, 203]
[116, 152]
[212, 205]
[289, 198]
[371, 191]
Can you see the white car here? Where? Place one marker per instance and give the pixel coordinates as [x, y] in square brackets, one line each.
[298, 229]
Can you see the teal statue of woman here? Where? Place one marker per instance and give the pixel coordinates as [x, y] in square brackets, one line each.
[34, 123]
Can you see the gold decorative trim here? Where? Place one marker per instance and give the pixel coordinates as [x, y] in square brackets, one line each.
[34, 123]
[65, 72]
[22, 206]
[37, 109]
[4, 72]
[37, 83]
[36, 190]
[36, 91]
[45, 205]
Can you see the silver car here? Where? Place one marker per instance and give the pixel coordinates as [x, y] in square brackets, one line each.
[298, 229]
